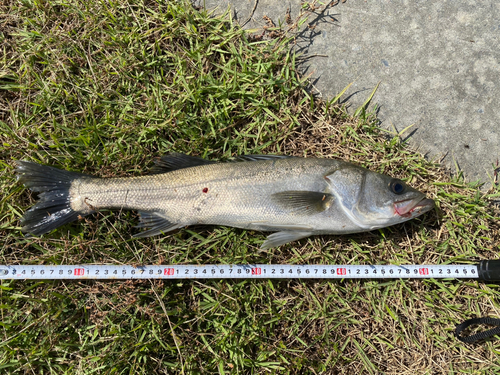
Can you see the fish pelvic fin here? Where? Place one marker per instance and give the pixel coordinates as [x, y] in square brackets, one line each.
[54, 207]
[175, 161]
[303, 202]
[157, 223]
[281, 238]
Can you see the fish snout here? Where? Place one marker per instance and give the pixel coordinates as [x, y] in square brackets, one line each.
[412, 208]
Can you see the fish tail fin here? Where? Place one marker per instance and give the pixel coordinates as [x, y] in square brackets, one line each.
[54, 207]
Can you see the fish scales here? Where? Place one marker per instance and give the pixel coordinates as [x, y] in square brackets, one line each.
[237, 193]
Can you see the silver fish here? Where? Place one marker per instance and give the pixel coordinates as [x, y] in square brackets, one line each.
[295, 197]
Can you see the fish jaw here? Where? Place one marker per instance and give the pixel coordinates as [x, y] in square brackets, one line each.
[412, 208]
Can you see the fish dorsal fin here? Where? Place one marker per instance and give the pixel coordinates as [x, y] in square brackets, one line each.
[303, 202]
[174, 161]
[260, 157]
[281, 238]
[157, 223]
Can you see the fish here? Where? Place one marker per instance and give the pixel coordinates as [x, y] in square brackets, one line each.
[293, 197]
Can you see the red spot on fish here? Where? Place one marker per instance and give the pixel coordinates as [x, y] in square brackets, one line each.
[205, 190]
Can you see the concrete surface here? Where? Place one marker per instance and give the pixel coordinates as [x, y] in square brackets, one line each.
[438, 64]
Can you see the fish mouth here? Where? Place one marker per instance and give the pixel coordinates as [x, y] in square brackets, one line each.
[412, 208]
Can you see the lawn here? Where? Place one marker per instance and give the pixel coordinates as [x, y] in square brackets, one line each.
[105, 88]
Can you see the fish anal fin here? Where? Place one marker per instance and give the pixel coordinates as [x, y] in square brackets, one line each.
[156, 223]
[303, 202]
[284, 237]
[175, 161]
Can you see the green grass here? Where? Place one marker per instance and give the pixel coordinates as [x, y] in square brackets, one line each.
[105, 87]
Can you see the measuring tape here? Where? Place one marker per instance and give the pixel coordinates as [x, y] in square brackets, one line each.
[486, 270]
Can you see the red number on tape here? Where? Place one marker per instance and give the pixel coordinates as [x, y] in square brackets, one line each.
[168, 271]
[256, 271]
[79, 272]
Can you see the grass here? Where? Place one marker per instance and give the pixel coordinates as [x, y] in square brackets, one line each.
[103, 88]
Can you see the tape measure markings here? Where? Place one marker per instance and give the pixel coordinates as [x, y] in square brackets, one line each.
[225, 271]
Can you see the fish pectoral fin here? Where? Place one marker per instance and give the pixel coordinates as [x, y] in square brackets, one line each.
[157, 223]
[281, 238]
[175, 161]
[303, 202]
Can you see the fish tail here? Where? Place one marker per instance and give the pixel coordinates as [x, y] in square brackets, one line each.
[54, 207]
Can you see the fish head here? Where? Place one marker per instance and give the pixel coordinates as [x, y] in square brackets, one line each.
[373, 200]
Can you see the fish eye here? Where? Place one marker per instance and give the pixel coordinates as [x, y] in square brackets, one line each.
[397, 187]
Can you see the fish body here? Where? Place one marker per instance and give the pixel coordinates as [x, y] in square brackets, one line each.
[295, 197]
